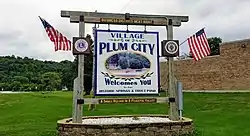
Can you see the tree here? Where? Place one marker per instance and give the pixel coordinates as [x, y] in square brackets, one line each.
[144, 61]
[51, 81]
[16, 86]
[214, 44]
[21, 79]
[28, 72]
[68, 74]
[146, 64]
[123, 63]
[88, 67]
[135, 64]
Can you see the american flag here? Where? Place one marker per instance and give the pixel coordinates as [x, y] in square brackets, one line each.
[198, 45]
[59, 40]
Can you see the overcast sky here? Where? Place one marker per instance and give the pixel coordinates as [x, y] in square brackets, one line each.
[22, 34]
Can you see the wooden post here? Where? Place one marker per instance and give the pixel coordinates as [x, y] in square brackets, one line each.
[75, 89]
[78, 94]
[172, 90]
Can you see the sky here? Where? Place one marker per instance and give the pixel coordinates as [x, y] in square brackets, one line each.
[22, 34]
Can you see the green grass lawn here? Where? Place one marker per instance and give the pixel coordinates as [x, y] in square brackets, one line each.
[36, 114]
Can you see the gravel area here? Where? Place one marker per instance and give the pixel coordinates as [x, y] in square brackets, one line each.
[125, 120]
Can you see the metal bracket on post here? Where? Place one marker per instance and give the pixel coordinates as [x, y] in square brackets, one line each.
[81, 18]
[171, 99]
[170, 22]
[80, 101]
[145, 29]
[127, 16]
[108, 27]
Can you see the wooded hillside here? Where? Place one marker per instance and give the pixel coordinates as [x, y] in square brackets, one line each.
[27, 74]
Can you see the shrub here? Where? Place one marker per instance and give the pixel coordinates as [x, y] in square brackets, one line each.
[135, 64]
[123, 63]
[146, 64]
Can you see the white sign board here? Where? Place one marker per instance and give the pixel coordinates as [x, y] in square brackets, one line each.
[127, 63]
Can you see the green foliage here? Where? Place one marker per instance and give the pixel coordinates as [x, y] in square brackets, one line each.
[129, 60]
[21, 79]
[26, 74]
[135, 64]
[17, 86]
[123, 63]
[36, 114]
[51, 81]
[88, 67]
[214, 43]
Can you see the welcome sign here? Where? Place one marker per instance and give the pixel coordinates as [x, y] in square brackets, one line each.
[127, 63]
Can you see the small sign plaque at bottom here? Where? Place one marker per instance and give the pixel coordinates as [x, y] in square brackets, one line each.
[128, 100]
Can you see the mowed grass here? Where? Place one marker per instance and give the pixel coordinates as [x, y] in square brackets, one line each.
[36, 114]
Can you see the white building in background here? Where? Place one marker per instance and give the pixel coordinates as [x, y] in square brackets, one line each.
[64, 88]
[182, 57]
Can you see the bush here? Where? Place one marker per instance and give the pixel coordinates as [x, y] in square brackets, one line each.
[135, 64]
[123, 63]
[4, 86]
[146, 64]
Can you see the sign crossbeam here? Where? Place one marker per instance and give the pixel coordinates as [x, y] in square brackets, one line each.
[120, 19]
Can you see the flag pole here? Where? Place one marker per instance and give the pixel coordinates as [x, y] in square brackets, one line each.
[187, 38]
[183, 42]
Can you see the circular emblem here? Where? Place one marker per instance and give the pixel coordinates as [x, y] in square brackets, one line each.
[171, 47]
[81, 45]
